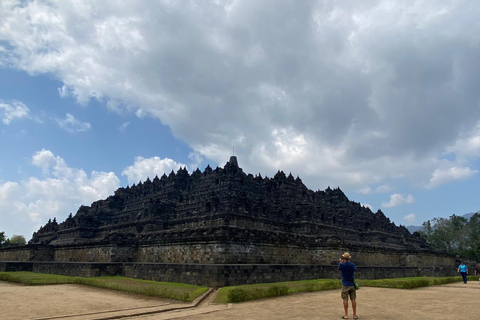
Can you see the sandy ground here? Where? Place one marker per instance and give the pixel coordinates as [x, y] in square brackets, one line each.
[37, 302]
[450, 301]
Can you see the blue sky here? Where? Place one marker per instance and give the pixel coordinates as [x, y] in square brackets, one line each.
[379, 98]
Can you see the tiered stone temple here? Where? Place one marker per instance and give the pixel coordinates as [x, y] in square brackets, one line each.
[224, 227]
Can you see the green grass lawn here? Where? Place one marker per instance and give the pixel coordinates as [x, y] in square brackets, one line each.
[32, 278]
[267, 290]
[186, 292]
[177, 291]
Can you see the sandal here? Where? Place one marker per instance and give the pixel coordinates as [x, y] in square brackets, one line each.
[356, 317]
[344, 317]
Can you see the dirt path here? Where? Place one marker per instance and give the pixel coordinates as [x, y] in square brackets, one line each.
[438, 302]
[39, 302]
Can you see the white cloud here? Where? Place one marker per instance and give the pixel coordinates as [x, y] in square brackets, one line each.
[467, 144]
[27, 204]
[7, 189]
[44, 159]
[329, 91]
[385, 188]
[365, 190]
[123, 126]
[144, 168]
[15, 110]
[63, 91]
[72, 125]
[196, 159]
[442, 176]
[410, 218]
[290, 145]
[397, 199]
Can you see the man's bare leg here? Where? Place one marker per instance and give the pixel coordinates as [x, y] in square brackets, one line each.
[345, 307]
[354, 307]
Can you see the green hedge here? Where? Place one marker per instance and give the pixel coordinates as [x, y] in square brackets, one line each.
[177, 291]
[410, 283]
[239, 295]
[268, 290]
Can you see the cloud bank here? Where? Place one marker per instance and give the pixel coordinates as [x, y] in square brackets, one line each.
[61, 189]
[331, 91]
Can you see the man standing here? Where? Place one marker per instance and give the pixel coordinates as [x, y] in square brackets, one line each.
[348, 288]
[463, 269]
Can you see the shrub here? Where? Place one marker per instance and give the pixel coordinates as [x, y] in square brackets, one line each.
[237, 295]
[277, 291]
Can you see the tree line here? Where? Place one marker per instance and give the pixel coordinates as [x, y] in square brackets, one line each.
[455, 235]
[14, 241]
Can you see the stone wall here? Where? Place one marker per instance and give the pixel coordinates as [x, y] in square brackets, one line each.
[223, 263]
[241, 253]
[219, 275]
[78, 269]
[84, 253]
[15, 254]
[226, 253]
[6, 266]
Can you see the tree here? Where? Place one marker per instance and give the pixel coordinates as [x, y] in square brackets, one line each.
[14, 241]
[455, 235]
[4, 241]
[474, 236]
[17, 240]
[2, 238]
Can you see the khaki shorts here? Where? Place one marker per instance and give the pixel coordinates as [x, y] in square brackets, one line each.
[349, 291]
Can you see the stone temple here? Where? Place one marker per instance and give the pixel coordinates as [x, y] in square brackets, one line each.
[225, 227]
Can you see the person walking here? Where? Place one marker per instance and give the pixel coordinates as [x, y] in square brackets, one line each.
[463, 269]
[348, 288]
